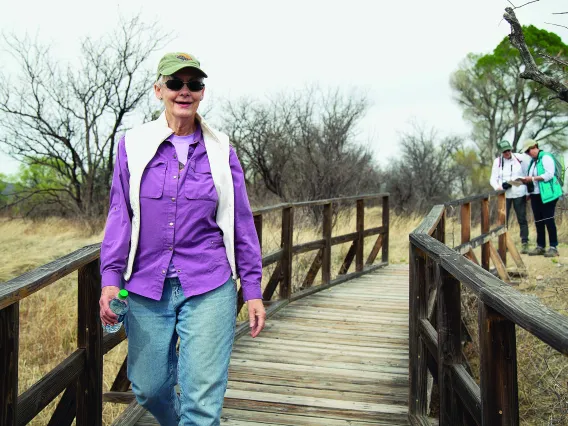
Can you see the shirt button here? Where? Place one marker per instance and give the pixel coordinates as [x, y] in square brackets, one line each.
[175, 156]
[175, 176]
[171, 224]
[173, 198]
[163, 272]
[171, 248]
[179, 270]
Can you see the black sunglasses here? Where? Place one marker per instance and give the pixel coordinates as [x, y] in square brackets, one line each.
[193, 85]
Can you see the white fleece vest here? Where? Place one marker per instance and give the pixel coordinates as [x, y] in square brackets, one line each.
[141, 144]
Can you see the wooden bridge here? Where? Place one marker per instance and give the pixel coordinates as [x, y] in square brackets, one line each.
[352, 348]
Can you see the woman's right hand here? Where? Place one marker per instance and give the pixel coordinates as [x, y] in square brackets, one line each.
[108, 293]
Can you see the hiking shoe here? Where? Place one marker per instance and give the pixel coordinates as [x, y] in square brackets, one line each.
[525, 249]
[552, 252]
[537, 251]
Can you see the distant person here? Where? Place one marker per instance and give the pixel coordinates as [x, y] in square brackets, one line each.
[507, 172]
[179, 232]
[545, 190]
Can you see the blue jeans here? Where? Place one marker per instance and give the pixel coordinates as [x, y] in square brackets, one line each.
[205, 325]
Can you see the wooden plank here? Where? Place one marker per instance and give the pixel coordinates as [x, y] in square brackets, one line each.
[481, 240]
[465, 223]
[32, 281]
[90, 339]
[339, 362]
[353, 396]
[121, 382]
[9, 347]
[131, 415]
[360, 239]
[485, 251]
[38, 396]
[498, 369]
[471, 256]
[273, 257]
[230, 415]
[515, 253]
[502, 221]
[386, 226]
[64, 413]
[275, 278]
[393, 414]
[309, 246]
[318, 382]
[449, 344]
[287, 243]
[522, 309]
[418, 301]
[326, 255]
[499, 264]
[314, 269]
[348, 259]
[375, 250]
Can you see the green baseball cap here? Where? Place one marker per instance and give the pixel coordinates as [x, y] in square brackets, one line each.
[504, 146]
[173, 62]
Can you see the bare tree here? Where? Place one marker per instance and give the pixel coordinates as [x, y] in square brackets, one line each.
[426, 172]
[302, 146]
[68, 118]
[532, 71]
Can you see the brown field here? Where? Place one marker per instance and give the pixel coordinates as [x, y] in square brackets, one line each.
[48, 317]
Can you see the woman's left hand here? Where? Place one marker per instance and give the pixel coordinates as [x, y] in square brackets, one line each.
[257, 316]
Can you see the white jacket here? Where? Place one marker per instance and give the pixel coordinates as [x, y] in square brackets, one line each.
[504, 170]
[141, 144]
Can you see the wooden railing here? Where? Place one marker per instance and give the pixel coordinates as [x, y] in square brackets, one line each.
[435, 345]
[79, 376]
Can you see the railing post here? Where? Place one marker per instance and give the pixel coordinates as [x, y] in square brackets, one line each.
[441, 229]
[89, 338]
[9, 347]
[498, 369]
[360, 238]
[465, 223]
[418, 310]
[502, 220]
[485, 249]
[326, 258]
[287, 243]
[385, 254]
[449, 344]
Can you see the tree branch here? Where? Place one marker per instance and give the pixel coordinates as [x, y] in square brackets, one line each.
[531, 72]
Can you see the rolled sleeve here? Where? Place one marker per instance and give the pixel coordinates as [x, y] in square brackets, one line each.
[116, 241]
[248, 256]
[548, 165]
[494, 179]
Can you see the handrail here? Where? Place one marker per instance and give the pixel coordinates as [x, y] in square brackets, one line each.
[436, 272]
[80, 374]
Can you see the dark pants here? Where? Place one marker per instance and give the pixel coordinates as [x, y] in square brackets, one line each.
[520, 206]
[544, 216]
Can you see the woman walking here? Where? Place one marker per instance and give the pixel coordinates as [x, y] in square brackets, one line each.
[179, 232]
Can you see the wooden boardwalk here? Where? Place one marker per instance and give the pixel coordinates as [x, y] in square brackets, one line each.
[337, 357]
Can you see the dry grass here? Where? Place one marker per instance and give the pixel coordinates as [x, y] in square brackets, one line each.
[48, 318]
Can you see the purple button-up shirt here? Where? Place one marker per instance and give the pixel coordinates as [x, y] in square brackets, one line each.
[177, 224]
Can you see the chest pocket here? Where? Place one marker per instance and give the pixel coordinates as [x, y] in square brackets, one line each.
[199, 182]
[153, 179]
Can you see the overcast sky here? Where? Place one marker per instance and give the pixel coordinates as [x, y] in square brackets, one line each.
[401, 53]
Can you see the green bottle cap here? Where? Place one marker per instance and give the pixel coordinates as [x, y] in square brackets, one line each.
[123, 294]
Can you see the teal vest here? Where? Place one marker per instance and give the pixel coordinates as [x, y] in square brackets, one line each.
[551, 190]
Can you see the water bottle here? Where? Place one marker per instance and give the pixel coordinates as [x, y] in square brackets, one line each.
[119, 306]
